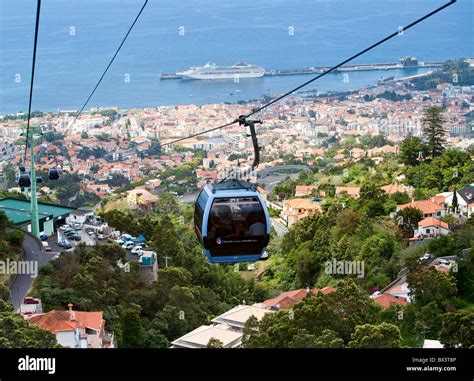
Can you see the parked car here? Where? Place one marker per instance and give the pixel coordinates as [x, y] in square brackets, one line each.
[30, 300]
[64, 227]
[425, 257]
[444, 262]
[55, 256]
[138, 250]
[46, 247]
[69, 229]
[77, 225]
[70, 233]
[64, 245]
[43, 237]
[119, 241]
[128, 245]
[102, 237]
[76, 237]
[91, 232]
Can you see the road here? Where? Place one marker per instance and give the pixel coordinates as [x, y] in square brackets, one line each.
[280, 228]
[32, 250]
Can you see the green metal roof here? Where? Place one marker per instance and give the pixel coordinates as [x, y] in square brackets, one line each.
[18, 211]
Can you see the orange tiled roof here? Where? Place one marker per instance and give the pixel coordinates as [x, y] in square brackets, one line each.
[301, 203]
[56, 321]
[426, 206]
[387, 300]
[287, 299]
[306, 188]
[431, 221]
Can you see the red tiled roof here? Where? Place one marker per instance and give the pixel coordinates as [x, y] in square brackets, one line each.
[426, 206]
[287, 299]
[431, 221]
[56, 321]
[387, 300]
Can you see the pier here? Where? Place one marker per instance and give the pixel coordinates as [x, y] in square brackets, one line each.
[405, 63]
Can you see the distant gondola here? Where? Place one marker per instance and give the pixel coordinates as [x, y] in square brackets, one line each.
[232, 222]
[24, 180]
[53, 174]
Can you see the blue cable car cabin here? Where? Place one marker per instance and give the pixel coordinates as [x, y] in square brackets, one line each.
[232, 222]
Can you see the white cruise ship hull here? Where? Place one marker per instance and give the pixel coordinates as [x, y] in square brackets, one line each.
[212, 72]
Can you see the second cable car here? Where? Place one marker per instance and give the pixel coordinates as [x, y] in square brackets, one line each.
[232, 222]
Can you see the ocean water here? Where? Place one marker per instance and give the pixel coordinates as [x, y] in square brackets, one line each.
[78, 37]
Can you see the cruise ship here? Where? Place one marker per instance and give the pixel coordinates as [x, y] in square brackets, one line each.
[212, 71]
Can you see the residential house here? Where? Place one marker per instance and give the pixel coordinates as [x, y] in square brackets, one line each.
[75, 329]
[354, 192]
[357, 153]
[140, 198]
[394, 188]
[466, 200]
[286, 300]
[227, 328]
[387, 300]
[386, 149]
[427, 207]
[431, 227]
[307, 190]
[148, 266]
[296, 209]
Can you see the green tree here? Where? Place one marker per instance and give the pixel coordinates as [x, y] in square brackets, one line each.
[410, 149]
[458, 330]
[369, 191]
[407, 220]
[382, 335]
[16, 332]
[455, 203]
[132, 331]
[120, 220]
[433, 130]
[168, 204]
[428, 285]
[214, 343]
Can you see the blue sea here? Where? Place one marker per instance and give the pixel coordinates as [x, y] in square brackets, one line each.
[78, 37]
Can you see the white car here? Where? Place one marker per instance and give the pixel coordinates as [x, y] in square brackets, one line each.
[137, 249]
[64, 227]
[444, 262]
[119, 241]
[426, 257]
[128, 245]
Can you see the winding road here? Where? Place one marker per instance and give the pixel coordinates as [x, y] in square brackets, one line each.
[32, 251]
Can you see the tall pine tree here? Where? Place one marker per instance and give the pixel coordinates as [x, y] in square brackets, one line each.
[433, 130]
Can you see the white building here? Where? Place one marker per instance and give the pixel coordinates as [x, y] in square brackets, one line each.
[431, 227]
[227, 328]
[75, 329]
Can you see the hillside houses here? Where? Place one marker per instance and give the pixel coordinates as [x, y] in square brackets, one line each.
[74, 329]
[296, 209]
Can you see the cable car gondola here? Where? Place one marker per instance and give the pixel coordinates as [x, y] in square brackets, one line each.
[24, 181]
[232, 222]
[231, 217]
[53, 174]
